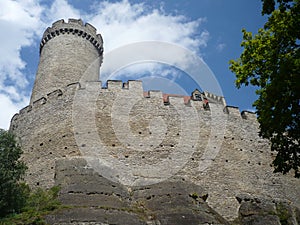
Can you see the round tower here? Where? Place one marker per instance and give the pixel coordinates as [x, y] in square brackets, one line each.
[67, 51]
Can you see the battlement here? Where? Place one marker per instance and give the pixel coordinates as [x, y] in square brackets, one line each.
[172, 98]
[235, 112]
[215, 98]
[136, 87]
[114, 84]
[119, 85]
[232, 110]
[248, 115]
[74, 27]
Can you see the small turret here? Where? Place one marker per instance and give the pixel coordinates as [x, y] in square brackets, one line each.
[67, 52]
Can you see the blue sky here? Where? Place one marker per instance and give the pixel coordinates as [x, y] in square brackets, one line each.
[209, 28]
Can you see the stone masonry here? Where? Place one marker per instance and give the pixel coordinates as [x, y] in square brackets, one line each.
[142, 138]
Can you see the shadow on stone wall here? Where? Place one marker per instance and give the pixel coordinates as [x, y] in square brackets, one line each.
[93, 199]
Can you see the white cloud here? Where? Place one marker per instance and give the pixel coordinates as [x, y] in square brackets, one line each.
[163, 84]
[20, 25]
[9, 108]
[61, 9]
[220, 47]
[122, 23]
[146, 69]
[23, 21]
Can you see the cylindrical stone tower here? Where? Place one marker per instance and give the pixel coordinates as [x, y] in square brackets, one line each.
[67, 52]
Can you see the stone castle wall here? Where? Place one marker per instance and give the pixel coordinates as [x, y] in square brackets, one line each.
[219, 149]
[133, 137]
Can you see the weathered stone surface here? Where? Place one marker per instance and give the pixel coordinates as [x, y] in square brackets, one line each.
[93, 198]
[297, 215]
[256, 208]
[261, 220]
[266, 211]
[82, 186]
[177, 202]
[101, 216]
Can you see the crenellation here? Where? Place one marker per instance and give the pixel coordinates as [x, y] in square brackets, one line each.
[155, 94]
[232, 110]
[57, 23]
[73, 86]
[248, 115]
[76, 21]
[215, 97]
[99, 37]
[187, 100]
[198, 105]
[146, 94]
[94, 86]
[96, 41]
[134, 87]
[184, 100]
[39, 102]
[25, 109]
[54, 94]
[91, 28]
[48, 30]
[114, 85]
[75, 27]
[15, 118]
[166, 99]
[135, 84]
[126, 85]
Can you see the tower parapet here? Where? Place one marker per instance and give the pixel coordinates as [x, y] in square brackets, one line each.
[67, 52]
[215, 98]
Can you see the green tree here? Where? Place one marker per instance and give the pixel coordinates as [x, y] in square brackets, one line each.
[13, 193]
[271, 61]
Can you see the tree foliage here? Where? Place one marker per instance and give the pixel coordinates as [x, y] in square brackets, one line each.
[271, 61]
[283, 5]
[13, 194]
[39, 203]
[18, 204]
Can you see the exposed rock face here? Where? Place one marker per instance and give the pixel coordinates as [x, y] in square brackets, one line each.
[93, 199]
[96, 199]
[266, 211]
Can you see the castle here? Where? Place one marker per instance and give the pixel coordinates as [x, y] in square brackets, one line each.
[75, 131]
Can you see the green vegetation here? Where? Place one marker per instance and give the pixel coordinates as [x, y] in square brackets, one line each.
[38, 204]
[283, 213]
[19, 205]
[271, 62]
[13, 193]
[195, 196]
